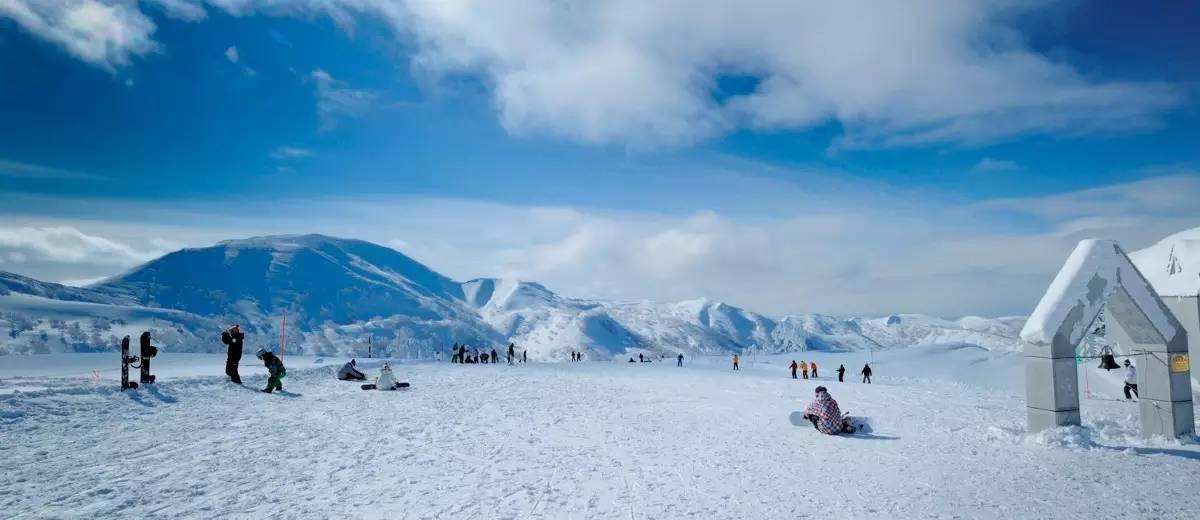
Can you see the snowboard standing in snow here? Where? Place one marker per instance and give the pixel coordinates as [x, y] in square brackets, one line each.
[126, 360]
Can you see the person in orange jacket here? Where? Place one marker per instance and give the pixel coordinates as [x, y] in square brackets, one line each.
[812, 366]
[804, 369]
[735, 361]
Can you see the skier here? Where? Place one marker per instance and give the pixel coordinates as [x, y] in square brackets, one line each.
[812, 367]
[825, 415]
[275, 368]
[841, 373]
[679, 360]
[641, 358]
[349, 372]
[512, 353]
[1130, 380]
[524, 356]
[793, 367]
[233, 338]
[804, 369]
[866, 373]
[735, 361]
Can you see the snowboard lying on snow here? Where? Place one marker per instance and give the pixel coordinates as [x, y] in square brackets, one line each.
[373, 386]
[860, 424]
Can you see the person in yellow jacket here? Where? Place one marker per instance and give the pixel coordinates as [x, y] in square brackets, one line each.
[735, 361]
[804, 369]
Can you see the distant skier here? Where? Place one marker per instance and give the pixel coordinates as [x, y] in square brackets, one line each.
[641, 358]
[349, 372]
[841, 373]
[793, 366]
[495, 356]
[804, 369]
[735, 361]
[866, 373]
[233, 339]
[679, 360]
[812, 367]
[825, 415]
[1130, 380]
[512, 353]
[524, 356]
[275, 368]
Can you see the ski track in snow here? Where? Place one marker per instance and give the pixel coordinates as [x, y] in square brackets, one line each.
[577, 441]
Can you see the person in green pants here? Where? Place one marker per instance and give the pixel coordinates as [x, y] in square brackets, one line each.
[275, 367]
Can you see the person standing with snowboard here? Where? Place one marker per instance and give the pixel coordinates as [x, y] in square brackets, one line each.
[1130, 380]
[275, 368]
[841, 373]
[793, 366]
[866, 373]
[233, 339]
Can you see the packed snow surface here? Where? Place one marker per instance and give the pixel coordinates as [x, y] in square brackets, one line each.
[573, 440]
[1173, 264]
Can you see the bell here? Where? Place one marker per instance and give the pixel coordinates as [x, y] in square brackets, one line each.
[1108, 362]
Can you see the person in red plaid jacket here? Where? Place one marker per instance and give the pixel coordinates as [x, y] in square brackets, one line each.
[825, 414]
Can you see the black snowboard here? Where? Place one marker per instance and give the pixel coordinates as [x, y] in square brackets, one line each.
[373, 387]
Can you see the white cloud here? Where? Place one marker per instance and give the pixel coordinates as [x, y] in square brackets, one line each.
[69, 245]
[643, 74]
[337, 101]
[231, 54]
[290, 152]
[990, 165]
[188, 11]
[36, 171]
[104, 34]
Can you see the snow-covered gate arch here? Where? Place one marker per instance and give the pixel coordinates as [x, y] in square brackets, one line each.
[1098, 274]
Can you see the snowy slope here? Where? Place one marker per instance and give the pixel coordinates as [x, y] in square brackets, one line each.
[338, 294]
[1173, 264]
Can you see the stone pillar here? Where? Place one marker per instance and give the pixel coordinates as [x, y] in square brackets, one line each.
[1165, 390]
[1051, 385]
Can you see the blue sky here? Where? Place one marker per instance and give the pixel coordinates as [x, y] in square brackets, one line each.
[554, 141]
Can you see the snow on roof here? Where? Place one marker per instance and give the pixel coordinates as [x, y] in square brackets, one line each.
[1090, 276]
[1173, 264]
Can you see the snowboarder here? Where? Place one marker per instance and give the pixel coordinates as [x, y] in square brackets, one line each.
[825, 415]
[679, 360]
[233, 339]
[793, 366]
[735, 361]
[804, 369]
[386, 381]
[866, 373]
[349, 372]
[1130, 380]
[841, 373]
[512, 353]
[275, 368]
[812, 367]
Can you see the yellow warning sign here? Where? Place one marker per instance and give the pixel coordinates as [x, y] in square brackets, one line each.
[1179, 363]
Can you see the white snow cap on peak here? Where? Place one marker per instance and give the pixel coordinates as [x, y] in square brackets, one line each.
[1090, 277]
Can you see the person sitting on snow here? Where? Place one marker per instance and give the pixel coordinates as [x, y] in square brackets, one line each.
[825, 414]
[275, 367]
[387, 380]
[349, 372]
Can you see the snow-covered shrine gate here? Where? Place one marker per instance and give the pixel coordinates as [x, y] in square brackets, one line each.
[1097, 275]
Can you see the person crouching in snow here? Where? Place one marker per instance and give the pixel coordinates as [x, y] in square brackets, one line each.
[349, 372]
[275, 367]
[387, 380]
[825, 414]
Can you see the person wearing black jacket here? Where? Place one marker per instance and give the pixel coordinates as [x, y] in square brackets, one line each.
[275, 368]
[512, 353]
[841, 372]
[233, 339]
[866, 373]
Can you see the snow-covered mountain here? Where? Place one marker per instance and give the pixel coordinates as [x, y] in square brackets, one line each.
[1172, 265]
[337, 294]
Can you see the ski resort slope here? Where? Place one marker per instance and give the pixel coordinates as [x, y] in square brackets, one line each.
[575, 440]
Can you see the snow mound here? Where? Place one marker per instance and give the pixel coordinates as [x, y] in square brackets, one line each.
[1173, 264]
